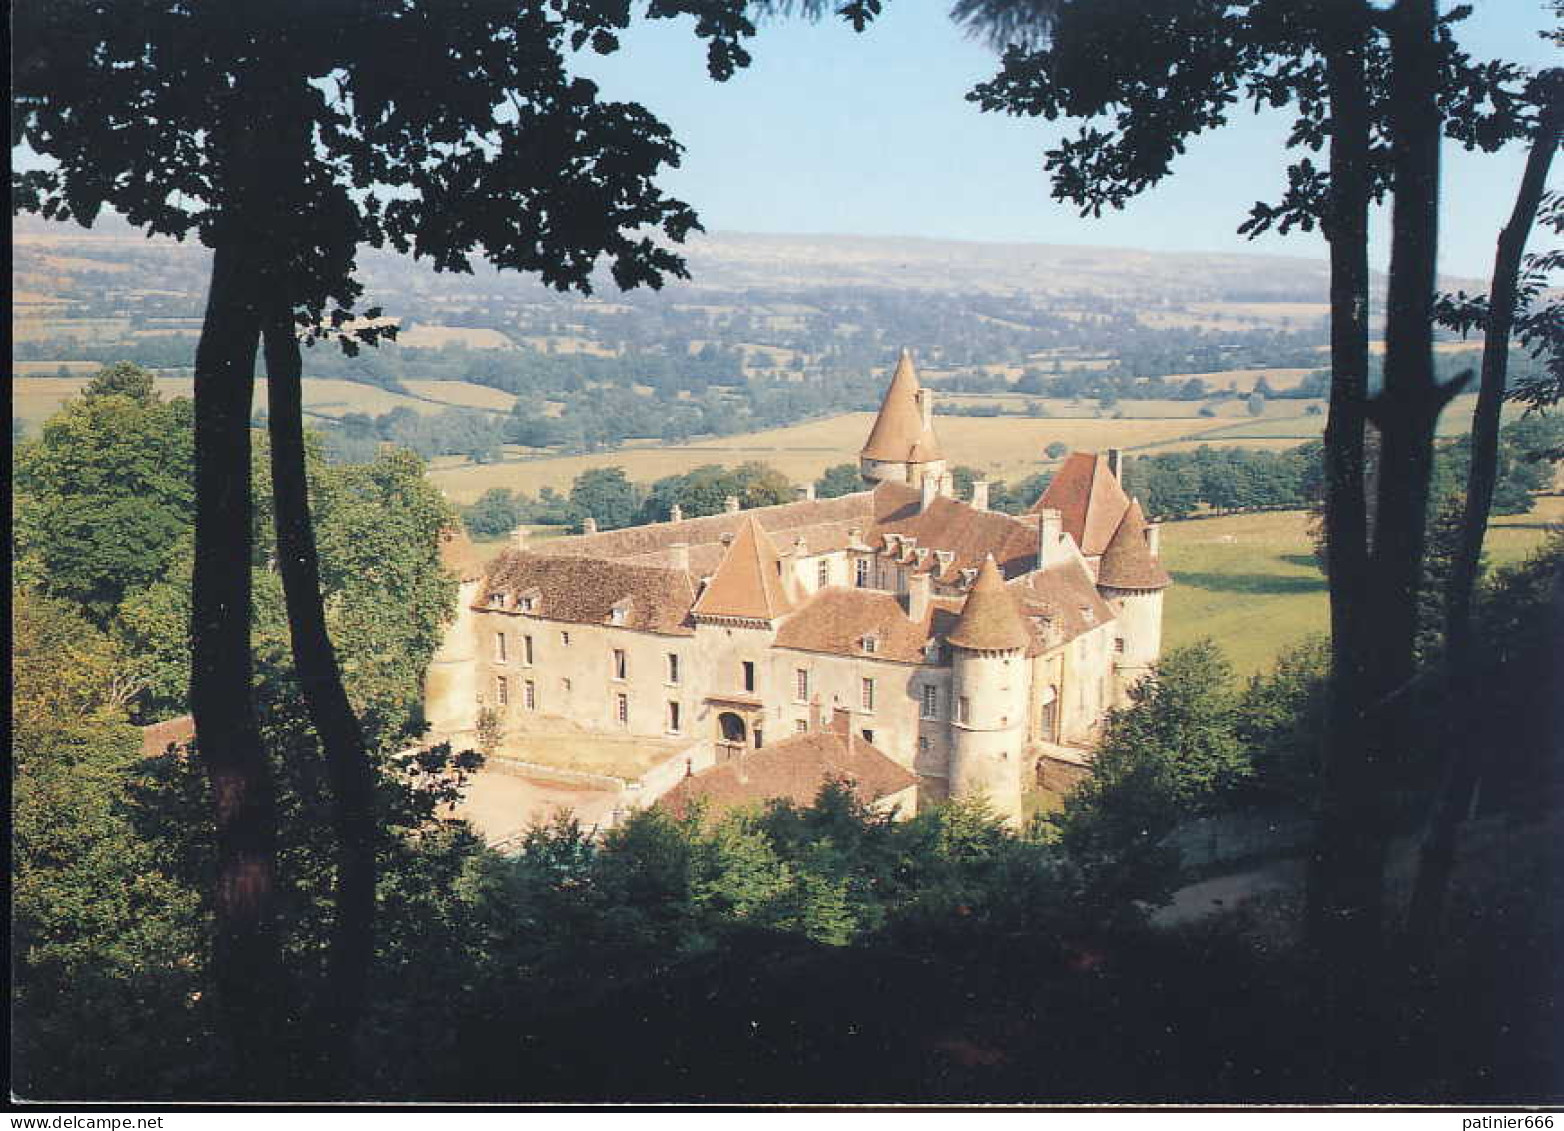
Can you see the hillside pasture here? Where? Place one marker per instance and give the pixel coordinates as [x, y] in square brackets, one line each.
[463, 394]
[1250, 581]
[432, 336]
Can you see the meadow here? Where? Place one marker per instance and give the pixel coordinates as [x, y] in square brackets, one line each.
[35, 399]
[1250, 581]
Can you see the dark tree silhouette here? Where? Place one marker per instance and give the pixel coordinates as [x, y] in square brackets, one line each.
[1358, 75]
[284, 136]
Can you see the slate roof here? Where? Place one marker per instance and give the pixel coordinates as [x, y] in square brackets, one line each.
[898, 427]
[990, 619]
[748, 583]
[585, 590]
[1127, 563]
[1089, 498]
[793, 770]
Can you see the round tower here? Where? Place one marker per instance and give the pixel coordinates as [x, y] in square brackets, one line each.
[989, 684]
[901, 446]
[1130, 575]
[451, 683]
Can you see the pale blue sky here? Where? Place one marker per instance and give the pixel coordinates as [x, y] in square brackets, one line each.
[828, 131]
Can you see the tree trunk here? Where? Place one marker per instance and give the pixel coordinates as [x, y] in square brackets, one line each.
[1336, 854]
[347, 762]
[246, 967]
[1462, 765]
[1406, 413]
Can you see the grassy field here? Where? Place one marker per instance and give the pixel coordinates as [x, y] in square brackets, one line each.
[1003, 447]
[1251, 582]
[35, 399]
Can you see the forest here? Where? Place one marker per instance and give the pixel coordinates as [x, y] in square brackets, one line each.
[276, 904]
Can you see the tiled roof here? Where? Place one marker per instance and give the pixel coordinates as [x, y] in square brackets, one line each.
[748, 583]
[585, 590]
[990, 619]
[458, 555]
[1060, 603]
[955, 526]
[812, 515]
[898, 427]
[1127, 562]
[1089, 498]
[793, 770]
[835, 621]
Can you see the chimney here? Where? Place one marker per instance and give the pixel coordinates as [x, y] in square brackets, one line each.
[930, 491]
[726, 537]
[731, 504]
[518, 538]
[676, 513]
[926, 407]
[680, 551]
[1050, 528]
[1116, 462]
[1154, 538]
[589, 525]
[800, 547]
[804, 492]
[920, 589]
[980, 494]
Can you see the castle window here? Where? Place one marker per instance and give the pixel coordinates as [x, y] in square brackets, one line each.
[871, 644]
[526, 650]
[748, 674]
[866, 694]
[673, 667]
[564, 639]
[496, 600]
[674, 722]
[822, 575]
[621, 664]
[564, 684]
[801, 685]
[930, 706]
[1087, 615]
[499, 647]
[501, 691]
[868, 736]
[861, 573]
[923, 746]
[622, 709]
[529, 695]
[1118, 644]
[963, 710]
[760, 738]
[801, 726]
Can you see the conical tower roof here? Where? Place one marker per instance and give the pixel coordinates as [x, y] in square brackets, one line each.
[748, 581]
[1127, 562]
[990, 621]
[899, 426]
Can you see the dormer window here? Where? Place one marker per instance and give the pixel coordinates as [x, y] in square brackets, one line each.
[923, 555]
[1087, 615]
[619, 614]
[497, 600]
[870, 643]
[968, 576]
[531, 601]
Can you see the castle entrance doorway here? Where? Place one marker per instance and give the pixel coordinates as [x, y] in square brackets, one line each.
[732, 728]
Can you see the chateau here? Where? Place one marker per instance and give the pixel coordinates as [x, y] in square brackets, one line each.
[924, 642]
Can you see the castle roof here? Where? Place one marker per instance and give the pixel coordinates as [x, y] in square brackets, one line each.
[990, 620]
[1089, 498]
[588, 590]
[948, 524]
[836, 620]
[793, 770]
[1127, 563]
[748, 583]
[824, 523]
[898, 434]
[1060, 603]
[458, 555]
